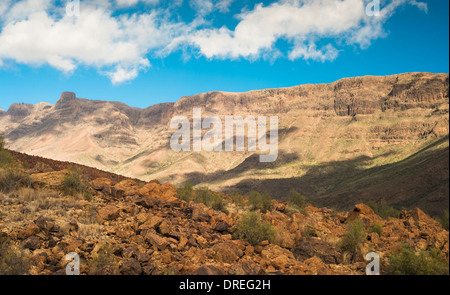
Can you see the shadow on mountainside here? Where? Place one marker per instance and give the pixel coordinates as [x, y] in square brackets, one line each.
[421, 180]
[250, 163]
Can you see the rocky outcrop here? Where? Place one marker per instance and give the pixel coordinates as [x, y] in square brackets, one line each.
[308, 247]
[20, 110]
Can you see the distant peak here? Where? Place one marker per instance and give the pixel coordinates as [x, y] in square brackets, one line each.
[20, 109]
[65, 98]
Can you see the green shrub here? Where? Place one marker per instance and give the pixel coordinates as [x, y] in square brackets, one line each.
[12, 259]
[296, 199]
[384, 210]
[210, 199]
[104, 262]
[260, 201]
[377, 228]
[410, 262]
[185, 193]
[310, 231]
[354, 236]
[5, 157]
[444, 220]
[76, 183]
[237, 199]
[254, 230]
[12, 179]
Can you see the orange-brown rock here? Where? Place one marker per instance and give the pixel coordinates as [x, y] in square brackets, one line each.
[128, 187]
[365, 213]
[109, 212]
[157, 241]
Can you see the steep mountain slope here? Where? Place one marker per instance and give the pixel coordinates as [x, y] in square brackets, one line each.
[350, 127]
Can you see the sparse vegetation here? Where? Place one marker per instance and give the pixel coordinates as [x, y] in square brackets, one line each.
[444, 220]
[12, 179]
[296, 199]
[260, 201]
[12, 259]
[410, 262]
[210, 199]
[377, 228]
[5, 157]
[186, 192]
[237, 199]
[384, 210]
[354, 236]
[309, 231]
[202, 195]
[76, 183]
[104, 262]
[254, 230]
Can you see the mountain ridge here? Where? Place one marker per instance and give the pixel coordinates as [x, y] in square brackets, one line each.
[383, 119]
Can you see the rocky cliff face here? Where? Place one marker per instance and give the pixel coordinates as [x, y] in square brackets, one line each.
[348, 127]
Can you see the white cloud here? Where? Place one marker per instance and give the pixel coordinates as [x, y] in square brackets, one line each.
[224, 5]
[119, 46]
[128, 3]
[303, 23]
[205, 7]
[202, 7]
[421, 5]
[4, 6]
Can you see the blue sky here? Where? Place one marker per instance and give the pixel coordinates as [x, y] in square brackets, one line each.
[143, 52]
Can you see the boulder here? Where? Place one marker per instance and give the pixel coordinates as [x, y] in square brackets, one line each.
[200, 213]
[163, 228]
[226, 252]
[308, 247]
[31, 243]
[102, 184]
[246, 268]
[222, 227]
[167, 191]
[149, 188]
[130, 267]
[277, 257]
[365, 213]
[152, 222]
[420, 218]
[157, 241]
[29, 230]
[147, 201]
[108, 213]
[128, 186]
[209, 270]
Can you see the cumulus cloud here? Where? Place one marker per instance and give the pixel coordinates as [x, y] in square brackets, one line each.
[302, 23]
[121, 45]
[128, 3]
[118, 46]
[205, 7]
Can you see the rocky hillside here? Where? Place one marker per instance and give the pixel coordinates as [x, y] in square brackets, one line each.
[124, 226]
[342, 133]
